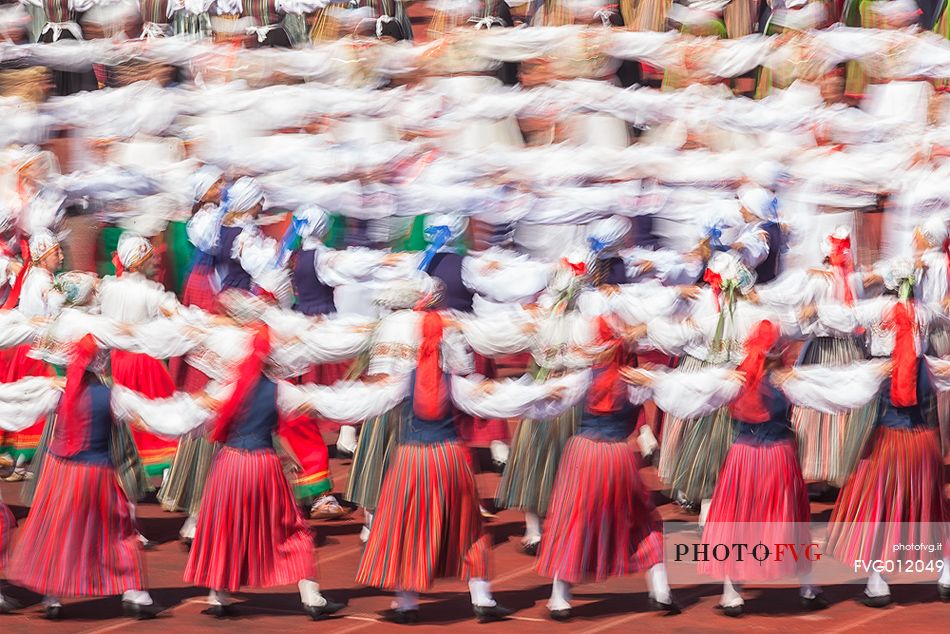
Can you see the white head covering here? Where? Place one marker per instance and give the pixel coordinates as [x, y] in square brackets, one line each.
[315, 221]
[934, 229]
[78, 287]
[895, 271]
[455, 222]
[409, 293]
[42, 243]
[607, 234]
[244, 194]
[132, 249]
[841, 232]
[204, 179]
[757, 201]
[44, 211]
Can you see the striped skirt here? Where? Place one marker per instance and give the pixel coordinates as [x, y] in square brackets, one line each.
[536, 450]
[693, 450]
[79, 539]
[125, 459]
[427, 524]
[896, 496]
[183, 489]
[250, 531]
[7, 524]
[374, 450]
[17, 365]
[760, 496]
[940, 347]
[829, 445]
[602, 522]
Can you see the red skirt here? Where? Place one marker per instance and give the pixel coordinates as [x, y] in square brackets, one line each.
[149, 376]
[198, 291]
[17, 365]
[481, 431]
[7, 524]
[601, 522]
[895, 496]
[427, 524]
[79, 538]
[760, 496]
[250, 532]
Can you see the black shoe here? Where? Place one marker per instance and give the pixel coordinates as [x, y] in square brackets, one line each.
[490, 613]
[318, 612]
[943, 592]
[141, 612]
[876, 602]
[343, 454]
[221, 611]
[815, 603]
[531, 549]
[148, 544]
[402, 617]
[561, 615]
[8, 605]
[186, 543]
[498, 466]
[53, 613]
[733, 611]
[670, 608]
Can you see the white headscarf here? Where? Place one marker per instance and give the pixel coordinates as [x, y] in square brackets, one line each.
[42, 243]
[934, 229]
[607, 234]
[455, 222]
[315, 222]
[132, 249]
[244, 195]
[757, 201]
[203, 180]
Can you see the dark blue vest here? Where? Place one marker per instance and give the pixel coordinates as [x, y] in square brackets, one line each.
[99, 430]
[232, 274]
[768, 269]
[416, 431]
[313, 296]
[613, 427]
[448, 268]
[253, 427]
[919, 415]
[775, 429]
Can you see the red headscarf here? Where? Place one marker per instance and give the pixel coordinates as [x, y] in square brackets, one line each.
[248, 374]
[843, 264]
[903, 322]
[431, 394]
[607, 391]
[749, 406]
[715, 282]
[73, 416]
[14, 297]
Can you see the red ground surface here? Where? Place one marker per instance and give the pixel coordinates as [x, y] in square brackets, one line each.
[619, 605]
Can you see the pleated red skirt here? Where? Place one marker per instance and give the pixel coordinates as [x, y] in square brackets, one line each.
[760, 496]
[79, 538]
[895, 496]
[250, 532]
[149, 376]
[16, 365]
[601, 522]
[7, 524]
[427, 524]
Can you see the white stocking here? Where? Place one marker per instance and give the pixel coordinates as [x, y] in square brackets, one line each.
[310, 593]
[560, 595]
[480, 590]
[877, 587]
[406, 601]
[532, 528]
[659, 584]
[499, 451]
[347, 438]
[220, 597]
[139, 597]
[807, 588]
[945, 575]
[730, 595]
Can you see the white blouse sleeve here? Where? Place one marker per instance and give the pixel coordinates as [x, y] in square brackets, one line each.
[833, 390]
[689, 394]
[671, 337]
[348, 266]
[204, 227]
[26, 400]
[334, 338]
[518, 398]
[172, 416]
[752, 246]
[939, 371]
[15, 329]
[159, 338]
[495, 335]
[641, 303]
[344, 400]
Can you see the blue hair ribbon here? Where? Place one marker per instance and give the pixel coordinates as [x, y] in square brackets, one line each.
[596, 245]
[291, 240]
[439, 236]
